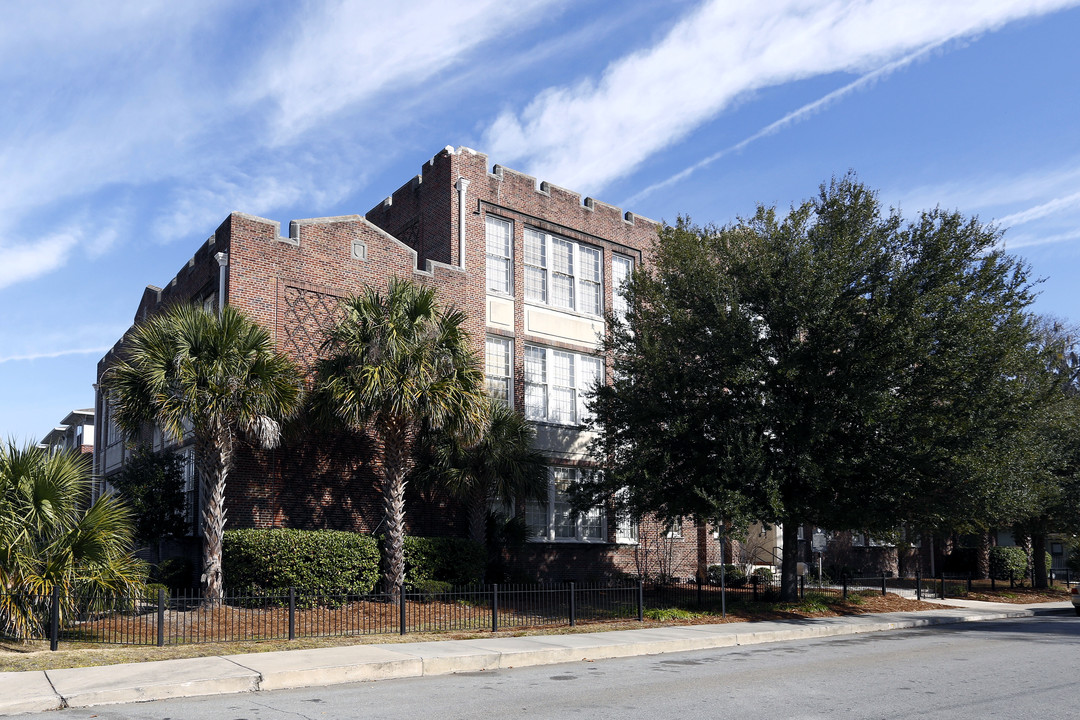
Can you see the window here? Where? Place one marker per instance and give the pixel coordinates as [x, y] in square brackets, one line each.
[554, 521]
[626, 526]
[674, 529]
[497, 373]
[499, 235]
[557, 384]
[621, 268]
[562, 273]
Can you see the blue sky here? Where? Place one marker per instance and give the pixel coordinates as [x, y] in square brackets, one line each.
[132, 129]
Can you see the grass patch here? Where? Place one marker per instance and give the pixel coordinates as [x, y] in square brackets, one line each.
[669, 614]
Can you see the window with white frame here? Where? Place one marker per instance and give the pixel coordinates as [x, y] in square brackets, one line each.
[626, 525]
[621, 269]
[498, 354]
[563, 273]
[554, 520]
[499, 236]
[557, 384]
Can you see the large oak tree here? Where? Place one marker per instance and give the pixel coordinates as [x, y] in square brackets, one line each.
[837, 366]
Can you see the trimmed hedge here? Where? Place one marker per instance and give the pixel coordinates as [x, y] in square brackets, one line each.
[1006, 562]
[438, 563]
[326, 560]
[734, 575]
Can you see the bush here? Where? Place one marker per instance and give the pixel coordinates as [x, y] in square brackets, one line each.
[175, 573]
[446, 560]
[763, 574]
[309, 560]
[1006, 562]
[734, 575]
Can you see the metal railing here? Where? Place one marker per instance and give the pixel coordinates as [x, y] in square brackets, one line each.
[163, 618]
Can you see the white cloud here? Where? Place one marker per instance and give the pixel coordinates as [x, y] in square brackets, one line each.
[795, 116]
[600, 129]
[56, 353]
[1026, 241]
[1042, 210]
[346, 53]
[26, 261]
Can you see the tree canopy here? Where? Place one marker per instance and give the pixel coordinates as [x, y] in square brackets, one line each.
[838, 366]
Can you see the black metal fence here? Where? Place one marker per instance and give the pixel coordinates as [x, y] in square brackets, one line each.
[163, 618]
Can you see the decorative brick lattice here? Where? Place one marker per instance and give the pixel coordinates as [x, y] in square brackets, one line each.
[308, 314]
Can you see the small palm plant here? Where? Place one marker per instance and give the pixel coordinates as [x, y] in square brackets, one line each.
[394, 364]
[50, 539]
[503, 467]
[219, 375]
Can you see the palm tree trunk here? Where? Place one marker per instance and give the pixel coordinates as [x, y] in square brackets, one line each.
[214, 456]
[395, 465]
[478, 513]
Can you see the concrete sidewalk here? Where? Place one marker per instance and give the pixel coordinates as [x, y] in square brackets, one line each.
[22, 692]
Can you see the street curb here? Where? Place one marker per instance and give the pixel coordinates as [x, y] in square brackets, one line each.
[34, 691]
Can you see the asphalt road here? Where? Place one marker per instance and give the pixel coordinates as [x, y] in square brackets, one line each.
[1016, 669]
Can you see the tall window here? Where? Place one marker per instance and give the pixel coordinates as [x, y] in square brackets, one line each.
[563, 273]
[557, 384]
[621, 268]
[499, 235]
[626, 525]
[554, 521]
[498, 352]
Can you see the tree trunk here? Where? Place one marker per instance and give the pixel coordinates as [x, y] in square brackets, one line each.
[478, 514]
[789, 569]
[395, 465]
[1038, 560]
[982, 558]
[213, 455]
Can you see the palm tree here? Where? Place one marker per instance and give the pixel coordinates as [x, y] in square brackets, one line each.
[396, 363]
[49, 538]
[503, 466]
[217, 374]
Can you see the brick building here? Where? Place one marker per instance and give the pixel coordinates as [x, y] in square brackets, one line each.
[533, 266]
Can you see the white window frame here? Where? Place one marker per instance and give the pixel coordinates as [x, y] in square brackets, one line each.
[542, 387]
[552, 521]
[507, 347]
[541, 269]
[627, 527]
[622, 267]
[498, 258]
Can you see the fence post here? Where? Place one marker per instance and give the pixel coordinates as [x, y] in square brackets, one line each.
[700, 602]
[160, 616]
[1012, 579]
[883, 590]
[54, 618]
[918, 584]
[292, 613]
[641, 601]
[495, 607]
[969, 582]
[993, 582]
[753, 583]
[802, 587]
[401, 607]
[573, 609]
[942, 576]
[843, 585]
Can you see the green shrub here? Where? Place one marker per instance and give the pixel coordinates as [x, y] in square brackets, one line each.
[763, 574]
[453, 561]
[666, 614]
[175, 573]
[150, 592]
[1008, 561]
[309, 560]
[734, 575]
